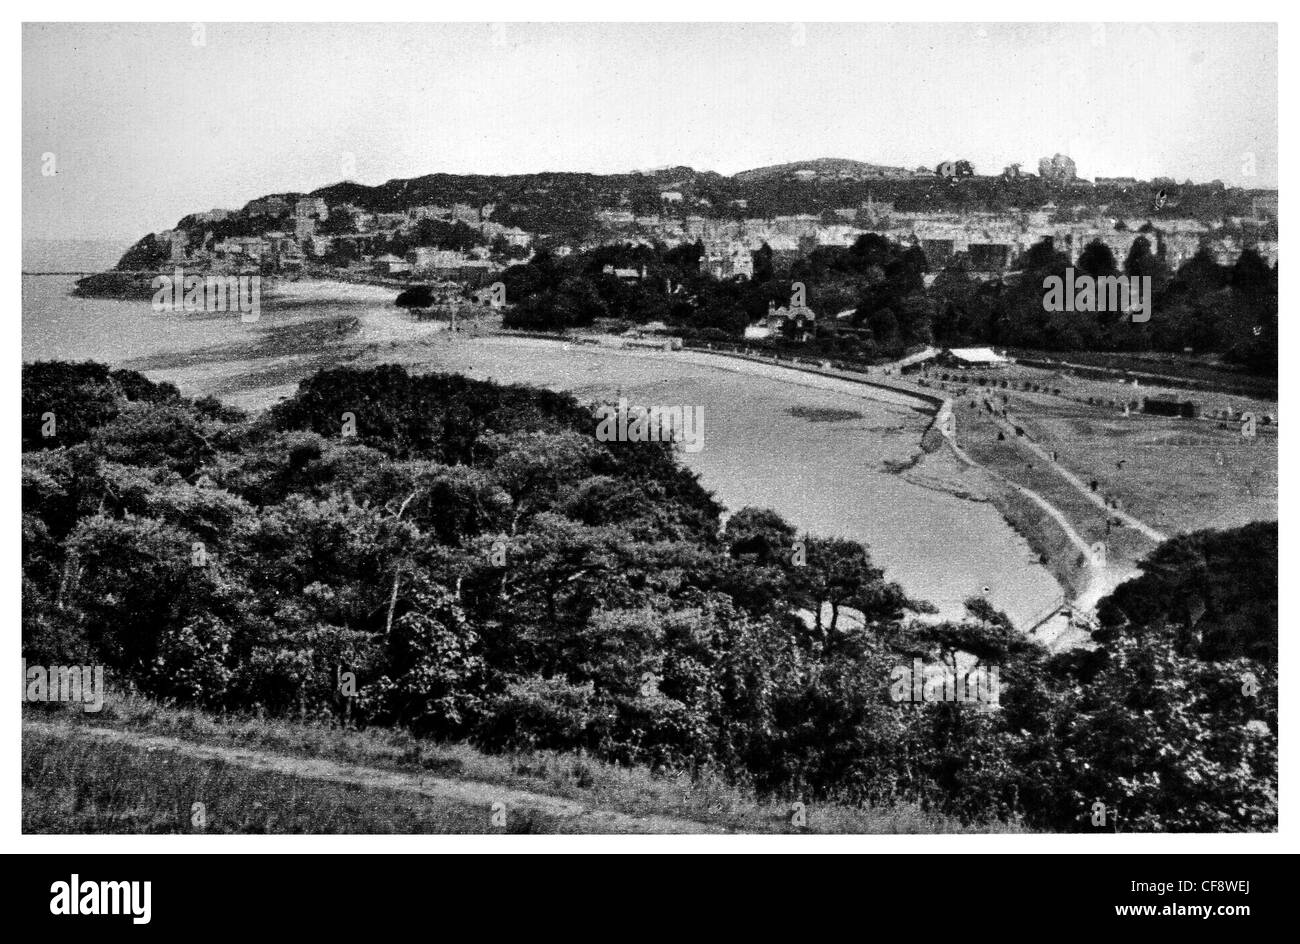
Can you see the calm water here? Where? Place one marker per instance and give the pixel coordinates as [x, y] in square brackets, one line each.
[824, 477]
[827, 478]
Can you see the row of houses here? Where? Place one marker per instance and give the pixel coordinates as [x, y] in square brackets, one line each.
[430, 262]
[992, 242]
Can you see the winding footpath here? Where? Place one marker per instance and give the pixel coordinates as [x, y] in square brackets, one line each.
[470, 793]
[1079, 485]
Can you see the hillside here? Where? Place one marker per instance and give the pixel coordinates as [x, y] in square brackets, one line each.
[829, 168]
[564, 208]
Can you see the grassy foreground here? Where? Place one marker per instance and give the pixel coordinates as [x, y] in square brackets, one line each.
[78, 781]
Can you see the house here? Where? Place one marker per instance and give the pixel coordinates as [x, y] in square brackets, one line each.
[671, 196]
[968, 357]
[801, 316]
[517, 237]
[389, 264]
[625, 275]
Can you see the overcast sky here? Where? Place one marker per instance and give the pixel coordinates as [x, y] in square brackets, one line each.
[146, 126]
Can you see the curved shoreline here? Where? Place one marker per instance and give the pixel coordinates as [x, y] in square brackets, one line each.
[1082, 585]
[1042, 526]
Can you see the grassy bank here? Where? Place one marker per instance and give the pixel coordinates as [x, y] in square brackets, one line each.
[75, 784]
[73, 781]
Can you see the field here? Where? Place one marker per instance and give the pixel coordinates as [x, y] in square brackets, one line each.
[1171, 475]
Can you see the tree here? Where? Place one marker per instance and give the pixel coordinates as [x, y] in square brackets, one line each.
[1097, 260]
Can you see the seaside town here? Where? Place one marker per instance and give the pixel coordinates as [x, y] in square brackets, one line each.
[292, 232]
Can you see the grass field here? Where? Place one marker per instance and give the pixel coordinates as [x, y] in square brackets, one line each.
[385, 781]
[76, 784]
[1175, 475]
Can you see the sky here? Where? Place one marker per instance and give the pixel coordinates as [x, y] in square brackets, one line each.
[128, 127]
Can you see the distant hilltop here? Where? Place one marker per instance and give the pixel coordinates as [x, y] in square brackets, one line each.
[831, 168]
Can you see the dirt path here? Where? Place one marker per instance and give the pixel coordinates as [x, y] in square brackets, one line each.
[467, 792]
[1009, 428]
